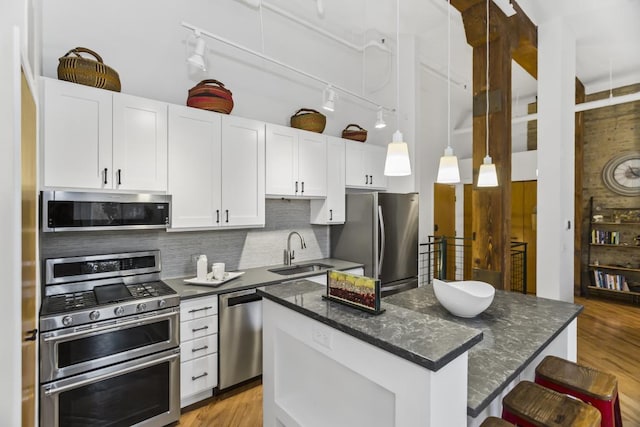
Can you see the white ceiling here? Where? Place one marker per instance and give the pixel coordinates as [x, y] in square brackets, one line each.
[607, 34]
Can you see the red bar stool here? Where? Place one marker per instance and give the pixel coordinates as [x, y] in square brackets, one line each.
[597, 388]
[496, 422]
[531, 405]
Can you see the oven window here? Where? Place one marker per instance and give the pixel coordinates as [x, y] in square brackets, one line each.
[106, 344]
[120, 401]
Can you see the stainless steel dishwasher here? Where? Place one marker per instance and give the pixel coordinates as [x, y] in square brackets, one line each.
[240, 350]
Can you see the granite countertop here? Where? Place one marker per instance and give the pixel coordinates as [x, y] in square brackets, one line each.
[516, 328]
[252, 278]
[428, 341]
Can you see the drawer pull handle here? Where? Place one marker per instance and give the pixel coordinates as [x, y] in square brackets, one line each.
[199, 376]
[204, 328]
[204, 347]
[195, 310]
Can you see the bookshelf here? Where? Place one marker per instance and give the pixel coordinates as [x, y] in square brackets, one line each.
[613, 258]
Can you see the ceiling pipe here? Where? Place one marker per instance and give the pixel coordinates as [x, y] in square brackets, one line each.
[439, 73]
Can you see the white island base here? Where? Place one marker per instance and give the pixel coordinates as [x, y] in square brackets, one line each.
[317, 376]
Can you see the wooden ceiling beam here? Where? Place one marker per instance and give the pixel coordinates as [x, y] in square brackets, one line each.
[521, 31]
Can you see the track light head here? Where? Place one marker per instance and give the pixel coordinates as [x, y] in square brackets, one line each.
[197, 59]
[380, 123]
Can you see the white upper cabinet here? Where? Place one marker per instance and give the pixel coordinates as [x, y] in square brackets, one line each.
[77, 136]
[332, 209]
[216, 170]
[139, 143]
[98, 139]
[295, 162]
[194, 167]
[365, 166]
[243, 170]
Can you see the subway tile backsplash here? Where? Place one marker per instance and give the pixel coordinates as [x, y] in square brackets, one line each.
[238, 249]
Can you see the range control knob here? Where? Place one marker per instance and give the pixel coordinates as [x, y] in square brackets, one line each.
[94, 315]
[119, 311]
[141, 307]
[162, 303]
[67, 320]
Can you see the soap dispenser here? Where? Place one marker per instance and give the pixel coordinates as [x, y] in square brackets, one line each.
[201, 267]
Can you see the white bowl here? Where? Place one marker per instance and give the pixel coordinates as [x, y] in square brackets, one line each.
[466, 298]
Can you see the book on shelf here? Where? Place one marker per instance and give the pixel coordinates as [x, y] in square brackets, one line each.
[603, 237]
[616, 282]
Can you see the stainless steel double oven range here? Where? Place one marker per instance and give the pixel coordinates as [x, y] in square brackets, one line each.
[109, 342]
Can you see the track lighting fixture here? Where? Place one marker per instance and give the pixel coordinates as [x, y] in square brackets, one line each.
[197, 59]
[380, 123]
[329, 99]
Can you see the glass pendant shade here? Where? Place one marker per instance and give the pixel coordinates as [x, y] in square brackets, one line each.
[197, 59]
[487, 176]
[448, 172]
[397, 163]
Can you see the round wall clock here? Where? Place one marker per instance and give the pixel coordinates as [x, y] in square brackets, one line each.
[621, 174]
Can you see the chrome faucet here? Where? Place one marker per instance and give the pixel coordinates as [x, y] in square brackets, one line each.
[288, 253]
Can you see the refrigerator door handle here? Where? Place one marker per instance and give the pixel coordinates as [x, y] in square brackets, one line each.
[382, 240]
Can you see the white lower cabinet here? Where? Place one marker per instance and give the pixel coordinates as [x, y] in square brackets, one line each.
[198, 349]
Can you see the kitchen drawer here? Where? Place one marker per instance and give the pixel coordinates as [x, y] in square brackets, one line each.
[198, 375]
[198, 307]
[198, 347]
[198, 328]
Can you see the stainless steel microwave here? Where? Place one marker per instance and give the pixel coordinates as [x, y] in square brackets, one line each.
[83, 211]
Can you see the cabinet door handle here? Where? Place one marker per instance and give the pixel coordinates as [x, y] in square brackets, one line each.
[226, 212]
[371, 179]
[296, 186]
[199, 376]
[195, 310]
[330, 214]
[217, 216]
[302, 187]
[204, 347]
[32, 335]
[204, 328]
[119, 176]
[104, 172]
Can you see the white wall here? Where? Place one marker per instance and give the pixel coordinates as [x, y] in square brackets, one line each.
[556, 158]
[145, 42]
[11, 18]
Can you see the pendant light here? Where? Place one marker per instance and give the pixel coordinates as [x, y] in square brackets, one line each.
[397, 162]
[487, 176]
[448, 171]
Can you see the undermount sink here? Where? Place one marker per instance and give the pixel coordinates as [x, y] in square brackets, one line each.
[300, 268]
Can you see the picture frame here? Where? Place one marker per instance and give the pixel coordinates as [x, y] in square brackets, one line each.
[354, 290]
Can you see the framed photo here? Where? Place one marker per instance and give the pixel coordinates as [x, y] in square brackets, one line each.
[354, 290]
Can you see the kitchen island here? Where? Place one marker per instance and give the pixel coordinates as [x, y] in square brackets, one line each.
[413, 365]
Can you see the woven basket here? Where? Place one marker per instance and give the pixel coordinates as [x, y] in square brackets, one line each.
[310, 120]
[87, 71]
[357, 135]
[211, 95]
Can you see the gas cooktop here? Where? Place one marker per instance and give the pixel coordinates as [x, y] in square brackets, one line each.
[84, 290]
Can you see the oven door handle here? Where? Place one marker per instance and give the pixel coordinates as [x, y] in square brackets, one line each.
[134, 367]
[110, 327]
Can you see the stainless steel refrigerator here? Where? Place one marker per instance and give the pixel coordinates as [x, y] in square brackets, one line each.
[381, 232]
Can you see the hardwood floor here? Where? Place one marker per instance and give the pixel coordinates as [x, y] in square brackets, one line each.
[608, 339]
